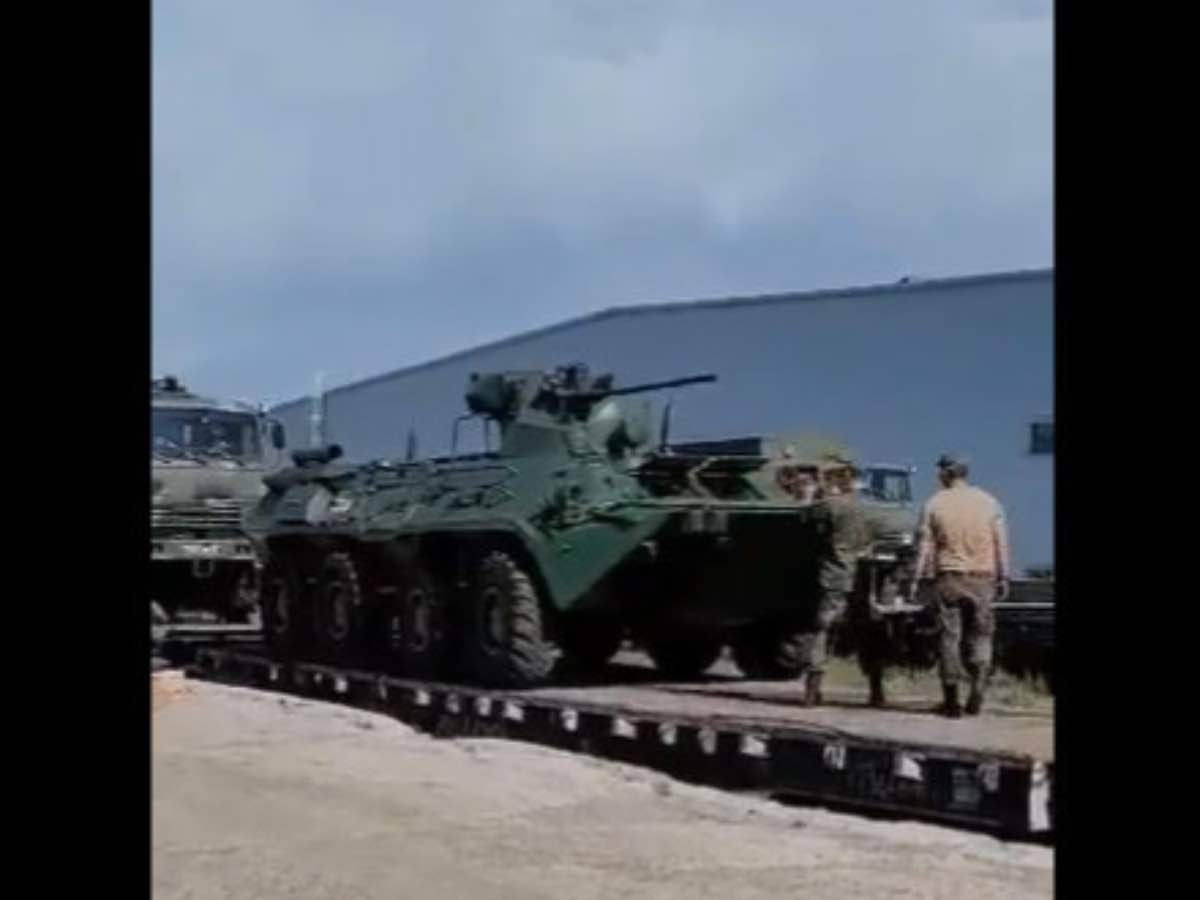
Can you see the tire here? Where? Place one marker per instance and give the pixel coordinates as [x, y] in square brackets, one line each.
[339, 611]
[588, 644]
[286, 610]
[505, 642]
[416, 634]
[769, 654]
[685, 656]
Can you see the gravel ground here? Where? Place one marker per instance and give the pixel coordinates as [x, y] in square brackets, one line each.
[261, 796]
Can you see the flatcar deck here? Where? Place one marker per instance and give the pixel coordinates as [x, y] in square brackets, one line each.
[994, 771]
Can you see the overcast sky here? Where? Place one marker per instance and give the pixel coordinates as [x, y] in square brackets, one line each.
[353, 186]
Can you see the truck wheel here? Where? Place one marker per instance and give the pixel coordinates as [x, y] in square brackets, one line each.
[769, 654]
[506, 644]
[684, 656]
[286, 612]
[588, 644]
[339, 618]
[415, 627]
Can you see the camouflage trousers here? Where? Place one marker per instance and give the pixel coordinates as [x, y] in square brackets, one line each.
[814, 645]
[967, 626]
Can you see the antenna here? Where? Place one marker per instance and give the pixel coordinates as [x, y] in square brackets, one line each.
[410, 452]
[664, 431]
[316, 421]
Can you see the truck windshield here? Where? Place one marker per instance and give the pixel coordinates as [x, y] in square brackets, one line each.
[181, 432]
[886, 485]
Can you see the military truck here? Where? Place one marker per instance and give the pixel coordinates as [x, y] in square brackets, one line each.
[577, 530]
[207, 461]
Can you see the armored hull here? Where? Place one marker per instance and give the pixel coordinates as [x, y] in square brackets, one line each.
[506, 567]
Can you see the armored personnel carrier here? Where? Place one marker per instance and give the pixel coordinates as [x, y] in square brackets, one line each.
[207, 461]
[576, 531]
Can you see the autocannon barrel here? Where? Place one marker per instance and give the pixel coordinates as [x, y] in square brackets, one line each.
[656, 385]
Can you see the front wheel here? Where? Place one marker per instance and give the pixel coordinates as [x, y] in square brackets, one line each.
[505, 640]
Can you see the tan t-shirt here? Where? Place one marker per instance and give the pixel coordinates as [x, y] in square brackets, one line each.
[963, 530]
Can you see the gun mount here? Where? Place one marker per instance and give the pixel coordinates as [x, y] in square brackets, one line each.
[536, 407]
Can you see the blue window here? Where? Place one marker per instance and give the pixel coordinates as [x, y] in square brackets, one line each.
[1041, 438]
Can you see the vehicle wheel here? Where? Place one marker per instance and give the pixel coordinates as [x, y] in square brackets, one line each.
[415, 630]
[506, 643]
[286, 613]
[339, 619]
[764, 653]
[588, 644]
[684, 656]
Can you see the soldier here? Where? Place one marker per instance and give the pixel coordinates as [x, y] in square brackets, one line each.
[844, 537]
[963, 546]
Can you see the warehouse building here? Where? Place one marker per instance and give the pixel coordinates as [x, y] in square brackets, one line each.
[902, 372]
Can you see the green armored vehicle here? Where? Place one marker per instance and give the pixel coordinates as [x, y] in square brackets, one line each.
[207, 461]
[576, 531]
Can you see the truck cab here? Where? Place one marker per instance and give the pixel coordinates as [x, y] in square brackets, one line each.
[207, 461]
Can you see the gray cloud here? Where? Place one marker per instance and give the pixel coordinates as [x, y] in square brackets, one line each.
[356, 186]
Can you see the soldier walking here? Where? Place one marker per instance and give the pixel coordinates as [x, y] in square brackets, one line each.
[963, 548]
[845, 535]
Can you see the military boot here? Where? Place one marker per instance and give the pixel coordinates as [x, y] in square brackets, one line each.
[950, 707]
[812, 689]
[975, 699]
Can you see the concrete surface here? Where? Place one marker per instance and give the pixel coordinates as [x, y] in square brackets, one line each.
[260, 796]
